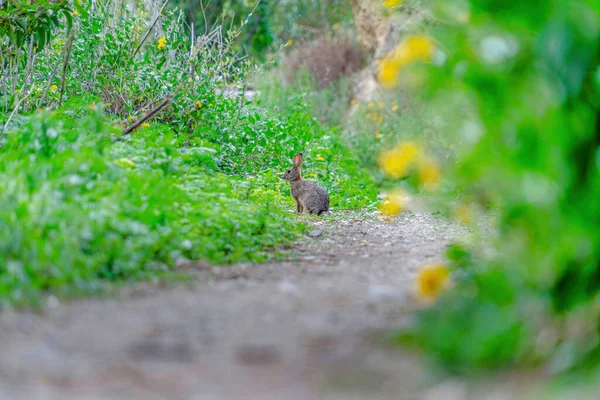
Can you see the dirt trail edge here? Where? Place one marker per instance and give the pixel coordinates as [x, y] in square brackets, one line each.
[293, 329]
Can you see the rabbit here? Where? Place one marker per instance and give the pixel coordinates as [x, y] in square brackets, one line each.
[308, 194]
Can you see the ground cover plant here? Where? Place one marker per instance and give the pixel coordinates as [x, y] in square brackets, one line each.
[124, 152]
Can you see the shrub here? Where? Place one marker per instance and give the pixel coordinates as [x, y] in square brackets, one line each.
[326, 59]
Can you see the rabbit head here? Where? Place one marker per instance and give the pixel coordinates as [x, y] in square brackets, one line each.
[293, 174]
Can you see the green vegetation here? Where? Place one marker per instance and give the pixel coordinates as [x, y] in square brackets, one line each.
[128, 144]
[82, 203]
[518, 91]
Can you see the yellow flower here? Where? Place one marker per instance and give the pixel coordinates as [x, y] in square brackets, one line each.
[53, 88]
[432, 280]
[388, 72]
[381, 105]
[353, 101]
[161, 43]
[198, 105]
[413, 48]
[370, 105]
[429, 174]
[417, 48]
[394, 203]
[377, 134]
[146, 125]
[336, 25]
[125, 162]
[320, 158]
[464, 213]
[289, 42]
[396, 162]
[394, 108]
[75, 13]
[392, 3]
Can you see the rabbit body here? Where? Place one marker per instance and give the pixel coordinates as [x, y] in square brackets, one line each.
[307, 194]
[310, 196]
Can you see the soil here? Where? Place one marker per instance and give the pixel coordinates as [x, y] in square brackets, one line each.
[305, 327]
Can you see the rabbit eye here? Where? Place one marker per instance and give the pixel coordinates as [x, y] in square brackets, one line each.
[289, 170]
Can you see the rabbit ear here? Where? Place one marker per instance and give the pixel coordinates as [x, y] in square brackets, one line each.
[298, 160]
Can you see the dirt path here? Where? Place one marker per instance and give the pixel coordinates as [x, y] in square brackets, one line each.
[294, 329]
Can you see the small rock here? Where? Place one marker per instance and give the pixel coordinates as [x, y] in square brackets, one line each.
[252, 354]
[52, 302]
[316, 233]
[450, 390]
[286, 286]
[379, 293]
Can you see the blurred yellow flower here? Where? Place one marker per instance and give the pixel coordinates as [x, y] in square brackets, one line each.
[413, 48]
[125, 162]
[320, 158]
[396, 162]
[432, 280]
[377, 134]
[336, 25]
[198, 105]
[394, 108]
[381, 105]
[161, 43]
[53, 88]
[75, 13]
[429, 174]
[146, 125]
[388, 72]
[289, 42]
[353, 101]
[370, 105]
[392, 3]
[394, 203]
[464, 213]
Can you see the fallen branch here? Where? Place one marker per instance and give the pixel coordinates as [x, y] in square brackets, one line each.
[149, 115]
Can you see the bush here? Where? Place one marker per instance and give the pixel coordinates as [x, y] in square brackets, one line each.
[325, 59]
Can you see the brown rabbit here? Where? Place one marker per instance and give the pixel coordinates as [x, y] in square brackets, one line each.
[309, 195]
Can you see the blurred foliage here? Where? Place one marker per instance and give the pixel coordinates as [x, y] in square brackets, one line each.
[515, 85]
[229, 15]
[267, 23]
